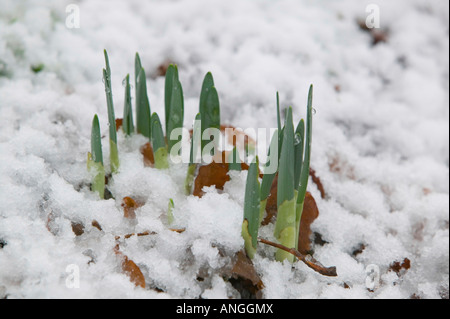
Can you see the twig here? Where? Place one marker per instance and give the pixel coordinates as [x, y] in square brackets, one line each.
[147, 233]
[308, 260]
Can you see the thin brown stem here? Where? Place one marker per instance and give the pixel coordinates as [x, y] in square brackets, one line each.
[308, 260]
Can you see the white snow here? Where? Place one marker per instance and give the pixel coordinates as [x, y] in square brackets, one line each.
[380, 144]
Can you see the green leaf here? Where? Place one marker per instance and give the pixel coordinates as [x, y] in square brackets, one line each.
[211, 117]
[159, 143]
[170, 209]
[286, 166]
[285, 227]
[171, 79]
[209, 107]
[143, 110]
[127, 125]
[96, 141]
[248, 240]
[251, 210]
[37, 67]
[308, 138]
[137, 70]
[175, 107]
[298, 149]
[114, 153]
[161, 158]
[189, 181]
[95, 160]
[235, 161]
[208, 83]
[280, 130]
[304, 175]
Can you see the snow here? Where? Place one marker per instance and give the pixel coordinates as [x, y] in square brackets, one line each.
[380, 144]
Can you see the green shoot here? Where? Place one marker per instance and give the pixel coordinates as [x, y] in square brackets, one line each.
[159, 144]
[170, 209]
[95, 160]
[137, 70]
[37, 67]
[143, 110]
[251, 223]
[127, 126]
[235, 161]
[304, 175]
[285, 228]
[174, 105]
[114, 153]
[280, 130]
[209, 107]
[298, 149]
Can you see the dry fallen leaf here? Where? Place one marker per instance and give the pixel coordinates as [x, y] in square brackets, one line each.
[96, 225]
[214, 174]
[129, 207]
[245, 276]
[130, 269]
[119, 123]
[147, 151]
[400, 268]
[310, 214]
[316, 180]
[271, 207]
[78, 229]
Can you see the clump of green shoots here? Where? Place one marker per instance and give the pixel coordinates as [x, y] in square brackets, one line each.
[293, 172]
[293, 148]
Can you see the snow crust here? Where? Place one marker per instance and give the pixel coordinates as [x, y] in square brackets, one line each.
[380, 144]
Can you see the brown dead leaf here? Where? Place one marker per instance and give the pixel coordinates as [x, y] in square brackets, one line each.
[400, 268]
[134, 272]
[78, 229]
[214, 174]
[310, 214]
[129, 207]
[119, 123]
[130, 269]
[96, 225]
[271, 208]
[316, 180]
[178, 230]
[147, 151]
[245, 278]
